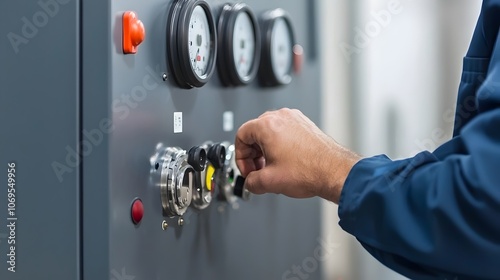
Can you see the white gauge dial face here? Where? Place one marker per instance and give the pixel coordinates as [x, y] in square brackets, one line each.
[199, 42]
[281, 49]
[243, 44]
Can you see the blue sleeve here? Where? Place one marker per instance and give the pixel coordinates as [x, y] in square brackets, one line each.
[437, 215]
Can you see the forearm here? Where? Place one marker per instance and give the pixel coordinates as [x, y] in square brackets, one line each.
[424, 212]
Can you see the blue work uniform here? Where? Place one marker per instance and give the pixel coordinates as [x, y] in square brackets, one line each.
[437, 215]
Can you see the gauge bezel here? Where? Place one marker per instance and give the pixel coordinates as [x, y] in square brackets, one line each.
[267, 75]
[177, 43]
[226, 64]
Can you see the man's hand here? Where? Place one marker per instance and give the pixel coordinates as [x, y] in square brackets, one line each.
[284, 152]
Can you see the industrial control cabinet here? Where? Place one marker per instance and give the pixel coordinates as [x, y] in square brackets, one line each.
[101, 103]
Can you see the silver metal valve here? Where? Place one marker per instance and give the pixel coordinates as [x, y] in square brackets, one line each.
[174, 174]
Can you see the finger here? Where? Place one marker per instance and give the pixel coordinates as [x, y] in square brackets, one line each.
[260, 163]
[252, 161]
[247, 135]
[249, 165]
[260, 181]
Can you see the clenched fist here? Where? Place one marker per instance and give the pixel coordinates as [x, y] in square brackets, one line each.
[284, 152]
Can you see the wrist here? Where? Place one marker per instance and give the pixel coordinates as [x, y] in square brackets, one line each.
[339, 167]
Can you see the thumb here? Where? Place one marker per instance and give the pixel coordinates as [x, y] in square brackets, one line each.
[260, 181]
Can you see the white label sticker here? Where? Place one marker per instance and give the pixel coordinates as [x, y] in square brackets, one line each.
[177, 122]
[228, 121]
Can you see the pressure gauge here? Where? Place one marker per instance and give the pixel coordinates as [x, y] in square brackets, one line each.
[239, 45]
[277, 48]
[173, 170]
[191, 42]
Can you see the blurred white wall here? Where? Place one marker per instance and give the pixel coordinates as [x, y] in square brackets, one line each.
[334, 21]
[398, 74]
[391, 70]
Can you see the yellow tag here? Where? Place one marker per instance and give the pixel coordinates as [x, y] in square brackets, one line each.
[210, 174]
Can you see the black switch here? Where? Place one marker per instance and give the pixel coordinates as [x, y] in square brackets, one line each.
[217, 155]
[238, 186]
[197, 157]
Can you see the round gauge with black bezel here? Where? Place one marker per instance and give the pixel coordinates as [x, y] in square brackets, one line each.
[277, 48]
[191, 42]
[239, 45]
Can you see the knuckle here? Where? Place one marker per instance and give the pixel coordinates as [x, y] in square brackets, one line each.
[267, 121]
[266, 113]
[285, 110]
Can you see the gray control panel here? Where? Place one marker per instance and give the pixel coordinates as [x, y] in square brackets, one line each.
[120, 117]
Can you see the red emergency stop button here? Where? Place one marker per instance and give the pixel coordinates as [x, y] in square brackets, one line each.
[133, 32]
[137, 211]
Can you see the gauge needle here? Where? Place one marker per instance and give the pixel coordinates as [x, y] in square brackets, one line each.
[198, 56]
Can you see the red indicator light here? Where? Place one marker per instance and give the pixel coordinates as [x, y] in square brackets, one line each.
[137, 211]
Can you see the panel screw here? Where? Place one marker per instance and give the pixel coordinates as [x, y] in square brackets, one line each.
[180, 222]
[164, 225]
[164, 76]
